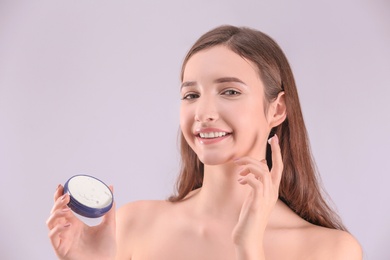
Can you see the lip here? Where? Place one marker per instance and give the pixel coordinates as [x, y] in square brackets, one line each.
[210, 130]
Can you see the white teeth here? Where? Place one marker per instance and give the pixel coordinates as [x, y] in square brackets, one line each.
[212, 134]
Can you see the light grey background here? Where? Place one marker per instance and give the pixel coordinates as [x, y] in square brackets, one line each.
[92, 87]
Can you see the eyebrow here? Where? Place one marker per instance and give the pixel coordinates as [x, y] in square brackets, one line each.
[219, 80]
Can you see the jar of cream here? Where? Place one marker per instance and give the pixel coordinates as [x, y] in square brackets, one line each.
[89, 196]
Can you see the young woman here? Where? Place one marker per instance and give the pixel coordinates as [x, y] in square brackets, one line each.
[247, 187]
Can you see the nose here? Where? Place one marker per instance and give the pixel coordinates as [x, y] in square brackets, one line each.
[206, 110]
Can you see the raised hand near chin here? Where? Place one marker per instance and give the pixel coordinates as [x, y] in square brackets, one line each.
[249, 231]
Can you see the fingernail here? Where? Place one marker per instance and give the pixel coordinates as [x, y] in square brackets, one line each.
[63, 196]
[276, 138]
[240, 180]
[58, 186]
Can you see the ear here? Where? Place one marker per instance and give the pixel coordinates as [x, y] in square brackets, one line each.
[277, 110]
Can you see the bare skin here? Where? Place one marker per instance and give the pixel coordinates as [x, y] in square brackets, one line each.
[205, 224]
[236, 214]
[162, 230]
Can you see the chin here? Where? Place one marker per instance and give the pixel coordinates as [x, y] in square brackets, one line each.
[215, 159]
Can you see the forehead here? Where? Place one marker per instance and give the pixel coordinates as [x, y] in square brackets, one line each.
[219, 61]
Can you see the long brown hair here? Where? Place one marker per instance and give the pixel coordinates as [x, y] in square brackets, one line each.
[299, 187]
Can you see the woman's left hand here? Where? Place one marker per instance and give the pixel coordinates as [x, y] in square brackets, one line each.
[249, 232]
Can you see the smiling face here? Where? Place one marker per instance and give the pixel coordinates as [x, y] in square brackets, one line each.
[222, 115]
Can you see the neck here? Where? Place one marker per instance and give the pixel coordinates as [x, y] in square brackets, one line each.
[221, 194]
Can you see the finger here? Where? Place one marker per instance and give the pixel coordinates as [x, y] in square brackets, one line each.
[259, 170]
[56, 216]
[250, 165]
[249, 160]
[110, 217]
[59, 191]
[60, 202]
[259, 176]
[277, 161]
[55, 234]
[255, 184]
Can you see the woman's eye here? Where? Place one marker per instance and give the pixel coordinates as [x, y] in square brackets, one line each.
[231, 92]
[190, 96]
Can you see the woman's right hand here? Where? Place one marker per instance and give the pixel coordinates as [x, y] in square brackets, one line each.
[72, 239]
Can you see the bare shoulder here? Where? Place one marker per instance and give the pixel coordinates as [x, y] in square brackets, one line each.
[141, 206]
[133, 220]
[309, 241]
[335, 244]
[135, 213]
[304, 240]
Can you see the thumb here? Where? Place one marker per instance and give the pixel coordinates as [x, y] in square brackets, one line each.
[109, 217]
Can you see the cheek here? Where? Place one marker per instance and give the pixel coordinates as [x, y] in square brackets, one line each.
[185, 122]
[252, 121]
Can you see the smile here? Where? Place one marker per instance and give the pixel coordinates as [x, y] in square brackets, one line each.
[210, 135]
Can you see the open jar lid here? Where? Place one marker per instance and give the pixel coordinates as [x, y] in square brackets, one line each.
[89, 196]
